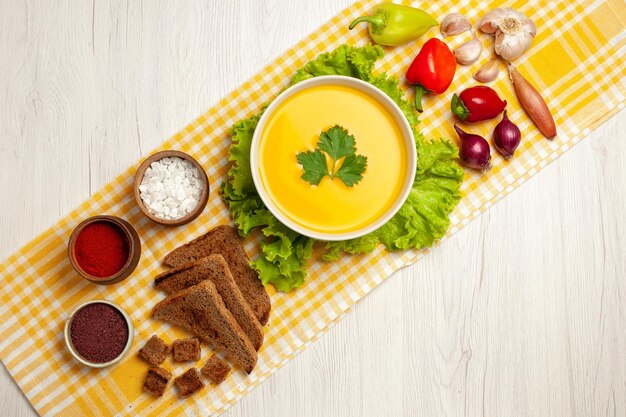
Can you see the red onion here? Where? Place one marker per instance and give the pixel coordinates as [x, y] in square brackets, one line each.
[474, 150]
[506, 137]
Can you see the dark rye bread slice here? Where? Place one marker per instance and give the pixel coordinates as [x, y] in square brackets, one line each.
[215, 269]
[224, 240]
[200, 310]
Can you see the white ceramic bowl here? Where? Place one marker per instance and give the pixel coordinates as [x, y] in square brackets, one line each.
[379, 96]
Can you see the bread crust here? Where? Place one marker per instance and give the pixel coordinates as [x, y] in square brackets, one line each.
[215, 269]
[225, 240]
[200, 310]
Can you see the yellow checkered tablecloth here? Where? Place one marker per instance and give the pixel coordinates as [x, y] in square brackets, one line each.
[576, 60]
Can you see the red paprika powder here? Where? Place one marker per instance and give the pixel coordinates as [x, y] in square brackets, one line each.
[102, 249]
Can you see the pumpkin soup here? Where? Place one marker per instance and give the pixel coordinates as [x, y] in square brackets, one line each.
[331, 207]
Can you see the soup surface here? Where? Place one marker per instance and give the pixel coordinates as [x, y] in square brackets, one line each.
[332, 207]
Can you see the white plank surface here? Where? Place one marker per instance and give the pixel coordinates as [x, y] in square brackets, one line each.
[520, 314]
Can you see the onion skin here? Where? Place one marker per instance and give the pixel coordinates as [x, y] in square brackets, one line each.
[506, 137]
[533, 104]
[474, 150]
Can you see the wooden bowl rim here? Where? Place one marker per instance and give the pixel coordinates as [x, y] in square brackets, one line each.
[134, 249]
[204, 195]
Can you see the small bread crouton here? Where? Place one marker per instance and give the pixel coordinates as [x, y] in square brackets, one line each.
[216, 369]
[189, 382]
[155, 351]
[156, 380]
[186, 350]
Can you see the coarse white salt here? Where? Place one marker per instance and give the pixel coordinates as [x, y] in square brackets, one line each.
[170, 188]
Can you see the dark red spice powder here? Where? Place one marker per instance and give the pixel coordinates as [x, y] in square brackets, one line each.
[102, 249]
[99, 332]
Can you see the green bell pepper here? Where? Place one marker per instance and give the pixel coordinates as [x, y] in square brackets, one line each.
[394, 24]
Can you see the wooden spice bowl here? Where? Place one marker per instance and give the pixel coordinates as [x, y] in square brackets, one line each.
[134, 249]
[204, 195]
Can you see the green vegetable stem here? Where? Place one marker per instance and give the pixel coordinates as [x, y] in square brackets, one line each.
[395, 24]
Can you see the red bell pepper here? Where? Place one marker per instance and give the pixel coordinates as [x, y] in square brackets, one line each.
[476, 104]
[432, 70]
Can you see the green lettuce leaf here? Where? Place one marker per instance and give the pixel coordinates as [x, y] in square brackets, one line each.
[240, 177]
[284, 252]
[421, 220]
[389, 86]
[363, 244]
[345, 60]
[284, 256]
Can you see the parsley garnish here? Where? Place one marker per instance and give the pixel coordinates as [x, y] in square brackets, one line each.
[336, 143]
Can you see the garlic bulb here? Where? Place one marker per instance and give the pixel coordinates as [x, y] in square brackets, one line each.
[488, 72]
[513, 31]
[468, 53]
[454, 23]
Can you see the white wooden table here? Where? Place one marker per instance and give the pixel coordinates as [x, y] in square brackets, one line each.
[522, 313]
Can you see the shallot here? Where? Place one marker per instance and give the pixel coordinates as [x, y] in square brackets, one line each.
[474, 150]
[506, 137]
[533, 104]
